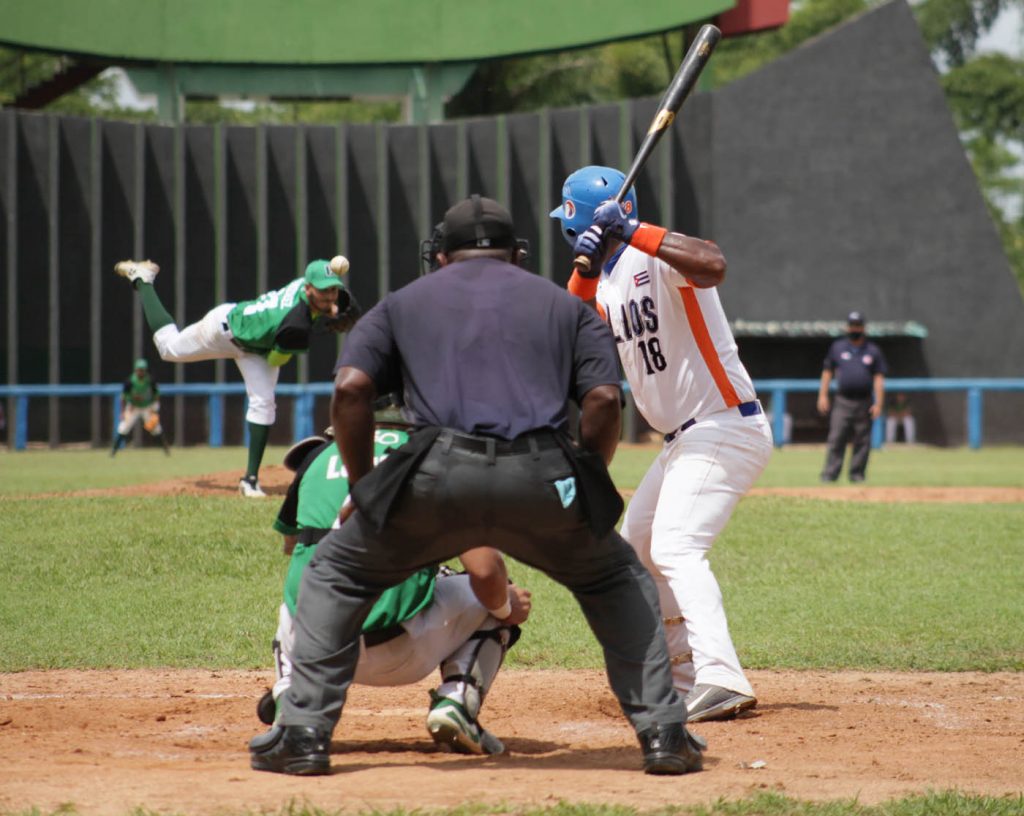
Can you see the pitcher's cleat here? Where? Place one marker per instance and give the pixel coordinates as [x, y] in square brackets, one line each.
[249, 487]
[135, 271]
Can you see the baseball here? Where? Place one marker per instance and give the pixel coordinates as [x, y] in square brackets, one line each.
[339, 265]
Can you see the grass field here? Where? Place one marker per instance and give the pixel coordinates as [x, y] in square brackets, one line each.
[106, 582]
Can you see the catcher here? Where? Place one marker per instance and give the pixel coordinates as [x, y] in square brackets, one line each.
[260, 335]
[435, 618]
[141, 400]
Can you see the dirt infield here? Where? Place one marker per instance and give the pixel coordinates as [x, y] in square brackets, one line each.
[174, 741]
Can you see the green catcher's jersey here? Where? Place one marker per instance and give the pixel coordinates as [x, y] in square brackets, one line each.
[257, 323]
[322, 490]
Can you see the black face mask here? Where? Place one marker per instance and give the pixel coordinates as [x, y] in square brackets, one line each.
[855, 334]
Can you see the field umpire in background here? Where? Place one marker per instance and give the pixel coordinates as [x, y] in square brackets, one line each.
[487, 356]
[859, 369]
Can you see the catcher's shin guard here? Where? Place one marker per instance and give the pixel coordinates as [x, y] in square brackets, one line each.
[467, 674]
[266, 708]
[282, 646]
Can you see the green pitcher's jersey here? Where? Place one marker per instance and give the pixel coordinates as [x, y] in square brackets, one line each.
[256, 323]
[322, 490]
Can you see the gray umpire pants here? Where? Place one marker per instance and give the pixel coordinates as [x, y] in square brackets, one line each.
[850, 422]
[456, 500]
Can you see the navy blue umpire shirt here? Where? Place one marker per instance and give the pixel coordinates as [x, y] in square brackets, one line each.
[854, 367]
[484, 347]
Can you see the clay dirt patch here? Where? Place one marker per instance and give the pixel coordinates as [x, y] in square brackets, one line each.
[175, 741]
[274, 479]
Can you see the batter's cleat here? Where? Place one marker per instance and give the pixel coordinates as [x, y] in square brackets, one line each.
[452, 728]
[292, 749]
[135, 271]
[707, 702]
[249, 487]
[266, 708]
[670, 750]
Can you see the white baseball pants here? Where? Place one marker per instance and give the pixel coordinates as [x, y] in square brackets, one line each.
[439, 633]
[150, 416]
[210, 339]
[679, 508]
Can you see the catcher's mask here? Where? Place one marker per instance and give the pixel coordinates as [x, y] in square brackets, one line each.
[583, 191]
[387, 412]
[429, 247]
[298, 452]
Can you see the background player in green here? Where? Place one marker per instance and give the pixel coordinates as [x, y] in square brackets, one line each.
[140, 399]
[260, 335]
[432, 619]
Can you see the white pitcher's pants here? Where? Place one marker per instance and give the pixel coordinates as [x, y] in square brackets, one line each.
[210, 339]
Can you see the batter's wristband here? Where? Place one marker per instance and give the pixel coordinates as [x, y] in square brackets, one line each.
[648, 238]
[583, 288]
[502, 612]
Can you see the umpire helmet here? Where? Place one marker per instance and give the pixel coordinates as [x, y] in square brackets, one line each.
[583, 191]
[430, 247]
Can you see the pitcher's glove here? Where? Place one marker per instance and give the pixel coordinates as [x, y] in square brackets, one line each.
[348, 313]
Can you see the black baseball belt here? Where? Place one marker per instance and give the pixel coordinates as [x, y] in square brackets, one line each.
[379, 636]
[312, 535]
[745, 408]
[224, 327]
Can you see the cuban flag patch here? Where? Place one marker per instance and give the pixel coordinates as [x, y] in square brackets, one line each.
[642, 278]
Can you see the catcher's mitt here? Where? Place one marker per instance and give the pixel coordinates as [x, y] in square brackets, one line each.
[348, 313]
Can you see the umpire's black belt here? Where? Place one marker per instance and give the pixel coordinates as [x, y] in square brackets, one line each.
[745, 408]
[494, 446]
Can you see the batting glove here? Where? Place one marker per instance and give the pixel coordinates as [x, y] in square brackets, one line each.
[591, 245]
[612, 218]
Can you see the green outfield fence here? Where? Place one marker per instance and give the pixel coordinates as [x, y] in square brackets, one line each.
[19, 398]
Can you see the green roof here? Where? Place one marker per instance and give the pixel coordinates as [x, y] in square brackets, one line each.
[824, 328]
[333, 32]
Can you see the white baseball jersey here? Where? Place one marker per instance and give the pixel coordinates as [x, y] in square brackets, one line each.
[676, 347]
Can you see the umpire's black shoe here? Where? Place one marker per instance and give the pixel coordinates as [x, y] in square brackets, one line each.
[670, 750]
[292, 749]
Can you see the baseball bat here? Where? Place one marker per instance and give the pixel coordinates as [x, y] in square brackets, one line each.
[697, 56]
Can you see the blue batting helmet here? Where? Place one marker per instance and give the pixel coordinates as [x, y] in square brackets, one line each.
[583, 191]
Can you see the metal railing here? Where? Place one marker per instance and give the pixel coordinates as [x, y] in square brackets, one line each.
[973, 389]
[304, 396]
[302, 415]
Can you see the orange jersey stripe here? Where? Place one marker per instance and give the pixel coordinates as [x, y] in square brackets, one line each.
[707, 347]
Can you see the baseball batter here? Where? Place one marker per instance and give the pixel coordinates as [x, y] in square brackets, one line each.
[433, 618]
[140, 399]
[656, 291]
[260, 335]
